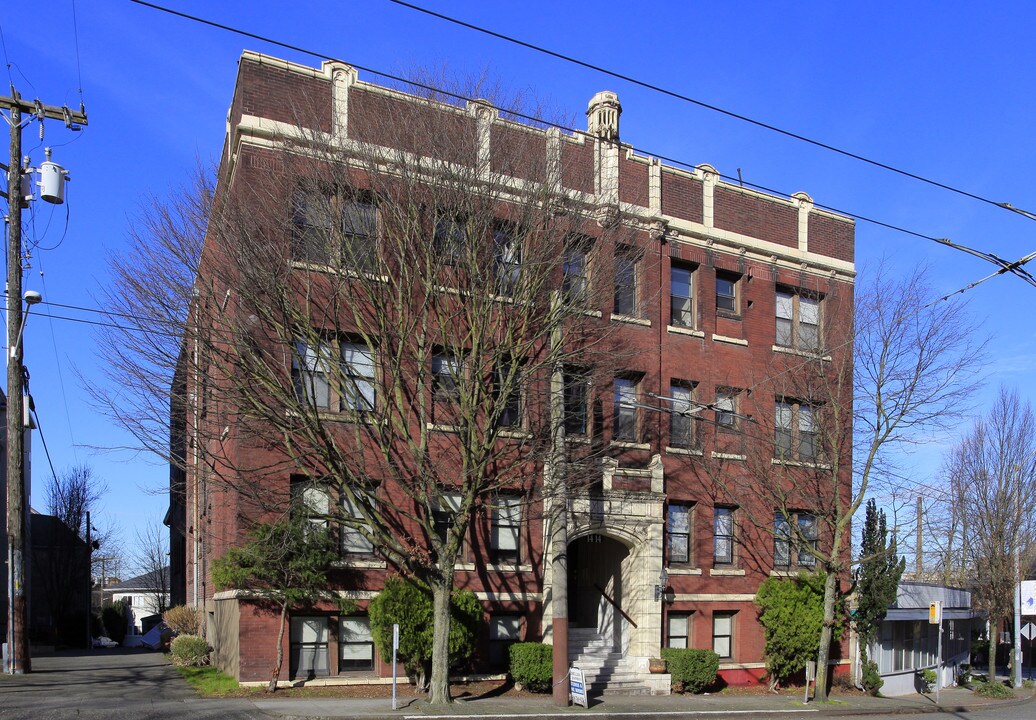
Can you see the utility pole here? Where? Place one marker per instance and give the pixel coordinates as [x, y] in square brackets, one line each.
[17, 511]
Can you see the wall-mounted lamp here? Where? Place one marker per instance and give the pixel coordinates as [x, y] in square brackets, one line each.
[663, 582]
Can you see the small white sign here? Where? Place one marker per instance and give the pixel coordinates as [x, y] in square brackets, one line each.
[577, 686]
[1028, 631]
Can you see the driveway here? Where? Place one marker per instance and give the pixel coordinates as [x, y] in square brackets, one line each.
[116, 683]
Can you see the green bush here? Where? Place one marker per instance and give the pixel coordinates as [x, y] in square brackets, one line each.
[409, 603]
[532, 666]
[189, 651]
[964, 674]
[115, 618]
[928, 678]
[994, 690]
[791, 611]
[871, 679]
[692, 670]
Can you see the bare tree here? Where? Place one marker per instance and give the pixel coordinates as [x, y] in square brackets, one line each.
[825, 427]
[992, 474]
[151, 559]
[62, 555]
[386, 320]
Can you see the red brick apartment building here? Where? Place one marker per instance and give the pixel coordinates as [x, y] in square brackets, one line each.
[712, 297]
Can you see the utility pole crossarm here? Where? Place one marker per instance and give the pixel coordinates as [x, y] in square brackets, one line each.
[41, 111]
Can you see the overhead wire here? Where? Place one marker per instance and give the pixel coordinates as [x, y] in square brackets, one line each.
[988, 257]
[57, 362]
[700, 103]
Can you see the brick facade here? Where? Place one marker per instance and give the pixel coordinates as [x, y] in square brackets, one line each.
[738, 249]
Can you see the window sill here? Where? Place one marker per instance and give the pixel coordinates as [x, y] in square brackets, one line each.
[494, 567]
[338, 270]
[728, 456]
[577, 439]
[729, 340]
[630, 320]
[677, 330]
[584, 311]
[724, 572]
[442, 428]
[626, 445]
[360, 563]
[683, 571]
[683, 451]
[791, 572]
[515, 434]
[798, 463]
[815, 355]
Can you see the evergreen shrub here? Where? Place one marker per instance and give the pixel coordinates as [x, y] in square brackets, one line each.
[692, 669]
[189, 651]
[532, 666]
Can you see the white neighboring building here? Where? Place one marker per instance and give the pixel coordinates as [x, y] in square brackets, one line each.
[907, 643]
[145, 595]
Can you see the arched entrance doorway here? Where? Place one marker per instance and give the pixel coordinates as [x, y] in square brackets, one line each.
[598, 580]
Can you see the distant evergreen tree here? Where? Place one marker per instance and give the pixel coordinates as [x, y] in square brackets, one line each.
[880, 570]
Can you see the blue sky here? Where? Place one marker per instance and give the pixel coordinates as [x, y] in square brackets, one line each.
[941, 89]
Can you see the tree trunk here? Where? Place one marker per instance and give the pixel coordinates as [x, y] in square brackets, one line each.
[826, 633]
[272, 687]
[439, 686]
[994, 623]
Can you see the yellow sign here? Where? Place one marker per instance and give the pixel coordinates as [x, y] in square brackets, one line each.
[935, 613]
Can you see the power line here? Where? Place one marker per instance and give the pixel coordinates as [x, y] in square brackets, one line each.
[708, 106]
[988, 257]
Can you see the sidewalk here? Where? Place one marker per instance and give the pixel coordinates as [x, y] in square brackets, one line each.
[951, 700]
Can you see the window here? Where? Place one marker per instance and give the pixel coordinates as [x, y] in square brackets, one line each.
[507, 528]
[726, 292]
[725, 408]
[357, 377]
[625, 401]
[504, 631]
[781, 541]
[723, 536]
[355, 643]
[316, 385]
[353, 243]
[310, 500]
[804, 541]
[308, 637]
[445, 514]
[310, 374]
[509, 405]
[683, 425]
[445, 386]
[808, 539]
[574, 278]
[351, 537]
[311, 217]
[450, 237]
[681, 296]
[794, 431]
[679, 627]
[798, 320]
[625, 281]
[575, 391]
[359, 235]
[723, 634]
[678, 531]
[507, 259]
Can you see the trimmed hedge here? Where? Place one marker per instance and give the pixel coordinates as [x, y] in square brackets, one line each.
[994, 690]
[532, 666]
[693, 670]
[189, 651]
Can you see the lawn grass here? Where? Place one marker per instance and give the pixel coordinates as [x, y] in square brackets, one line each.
[209, 681]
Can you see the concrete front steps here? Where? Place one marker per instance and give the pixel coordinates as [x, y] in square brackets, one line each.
[608, 672]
